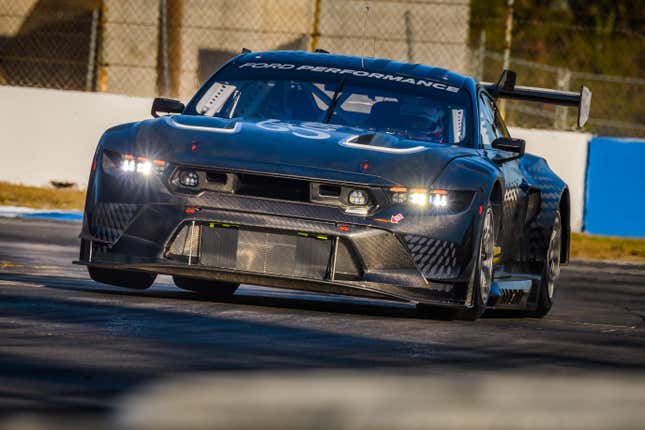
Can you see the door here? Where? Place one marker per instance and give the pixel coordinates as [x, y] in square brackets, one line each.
[514, 195]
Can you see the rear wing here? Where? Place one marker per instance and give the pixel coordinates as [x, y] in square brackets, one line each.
[505, 88]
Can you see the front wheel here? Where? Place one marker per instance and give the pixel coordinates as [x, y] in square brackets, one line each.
[210, 289]
[550, 271]
[483, 275]
[122, 278]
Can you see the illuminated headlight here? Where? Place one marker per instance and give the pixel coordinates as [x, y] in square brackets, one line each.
[438, 199]
[141, 165]
[399, 198]
[358, 198]
[188, 178]
[144, 167]
[128, 165]
[419, 197]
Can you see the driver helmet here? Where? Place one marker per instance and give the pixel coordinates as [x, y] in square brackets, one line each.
[424, 122]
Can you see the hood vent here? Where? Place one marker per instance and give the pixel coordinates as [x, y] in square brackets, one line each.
[382, 142]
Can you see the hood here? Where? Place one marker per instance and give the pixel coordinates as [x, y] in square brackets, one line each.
[302, 149]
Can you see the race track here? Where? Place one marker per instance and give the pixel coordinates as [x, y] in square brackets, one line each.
[70, 345]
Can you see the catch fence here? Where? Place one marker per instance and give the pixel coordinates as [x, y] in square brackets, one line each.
[168, 47]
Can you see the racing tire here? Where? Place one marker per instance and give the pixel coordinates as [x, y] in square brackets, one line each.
[550, 271]
[483, 274]
[206, 288]
[122, 278]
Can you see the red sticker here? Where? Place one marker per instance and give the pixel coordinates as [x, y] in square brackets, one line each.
[396, 218]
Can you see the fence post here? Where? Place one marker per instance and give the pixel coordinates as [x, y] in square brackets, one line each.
[102, 75]
[508, 38]
[163, 78]
[563, 83]
[175, 27]
[315, 33]
[91, 60]
[408, 35]
[481, 55]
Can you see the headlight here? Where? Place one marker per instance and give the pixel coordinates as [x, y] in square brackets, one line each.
[188, 178]
[141, 165]
[421, 197]
[414, 196]
[128, 166]
[438, 198]
[418, 197]
[358, 198]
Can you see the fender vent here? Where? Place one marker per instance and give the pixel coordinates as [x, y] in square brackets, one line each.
[435, 259]
[109, 220]
[510, 296]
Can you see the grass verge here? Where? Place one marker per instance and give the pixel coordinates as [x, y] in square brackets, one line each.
[41, 197]
[592, 247]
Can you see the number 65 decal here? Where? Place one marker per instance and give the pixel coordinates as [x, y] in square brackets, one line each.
[306, 132]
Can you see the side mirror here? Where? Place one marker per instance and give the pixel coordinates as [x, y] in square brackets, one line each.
[516, 146]
[163, 105]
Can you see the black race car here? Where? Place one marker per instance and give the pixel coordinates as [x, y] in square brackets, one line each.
[334, 174]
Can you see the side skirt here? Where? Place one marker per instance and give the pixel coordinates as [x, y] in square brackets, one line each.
[512, 291]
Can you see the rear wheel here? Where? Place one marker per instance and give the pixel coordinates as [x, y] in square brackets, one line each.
[211, 289]
[122, 278]
[551, 271]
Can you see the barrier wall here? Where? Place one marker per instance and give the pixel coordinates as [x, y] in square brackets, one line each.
[51, 135]
[615, 195]
[566, 154]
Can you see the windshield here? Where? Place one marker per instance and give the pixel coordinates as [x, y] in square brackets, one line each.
[416, 112]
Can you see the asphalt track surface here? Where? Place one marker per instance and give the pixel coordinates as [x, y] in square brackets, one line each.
[69, 345]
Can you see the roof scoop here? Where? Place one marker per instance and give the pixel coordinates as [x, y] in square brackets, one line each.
[381, 142]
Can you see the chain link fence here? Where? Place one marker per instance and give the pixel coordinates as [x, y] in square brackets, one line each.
[44, 47]
[168, 47]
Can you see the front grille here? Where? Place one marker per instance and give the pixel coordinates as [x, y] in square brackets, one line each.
[275, 188]
[293, 254]
[272, 187]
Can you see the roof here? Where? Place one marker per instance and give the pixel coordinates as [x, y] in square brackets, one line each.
[376, 65]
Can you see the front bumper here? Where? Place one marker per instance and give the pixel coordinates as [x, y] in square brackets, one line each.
[347, 258]
[426, 257]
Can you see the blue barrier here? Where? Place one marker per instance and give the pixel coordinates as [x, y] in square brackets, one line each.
[58, 215]
[615, 187]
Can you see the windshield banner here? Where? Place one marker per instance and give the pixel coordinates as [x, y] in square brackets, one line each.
[358, 73]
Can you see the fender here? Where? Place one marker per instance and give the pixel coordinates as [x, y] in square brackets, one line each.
[479, 175]
[553, 193]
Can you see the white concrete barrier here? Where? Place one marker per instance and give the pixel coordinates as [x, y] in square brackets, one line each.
[381, 399]
[51, 134]
[566, 154]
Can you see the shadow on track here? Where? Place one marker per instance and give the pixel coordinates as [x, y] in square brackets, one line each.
[70, 344]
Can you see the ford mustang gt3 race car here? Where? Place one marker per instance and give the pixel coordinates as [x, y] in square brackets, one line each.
[333, 174]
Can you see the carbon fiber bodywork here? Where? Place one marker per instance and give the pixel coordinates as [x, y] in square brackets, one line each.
[110, 220]
[264, 216]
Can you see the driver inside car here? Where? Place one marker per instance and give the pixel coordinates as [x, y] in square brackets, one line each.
[424, 122]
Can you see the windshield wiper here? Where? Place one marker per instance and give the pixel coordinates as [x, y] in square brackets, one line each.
[334, 100]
